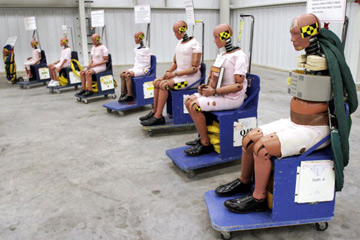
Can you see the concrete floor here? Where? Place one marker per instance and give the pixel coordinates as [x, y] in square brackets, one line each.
[73, 171]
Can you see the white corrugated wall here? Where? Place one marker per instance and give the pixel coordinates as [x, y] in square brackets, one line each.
[272, 46]
[49, 22]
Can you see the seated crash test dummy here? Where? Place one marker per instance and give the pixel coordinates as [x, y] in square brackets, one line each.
[186, 62]
[215, 96]
[9, 63]
[65, 60]
[307, 125]
[141, 67]
[99, 58]
[35, 57]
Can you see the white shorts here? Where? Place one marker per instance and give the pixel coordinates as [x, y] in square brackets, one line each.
[64, 66]
[28, 63]
[98, 69]
[138, 72]
[218, 103]
[294, 138]
[186, 80]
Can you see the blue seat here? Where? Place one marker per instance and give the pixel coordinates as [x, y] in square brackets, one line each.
[175, 102]
[36, 69]
[138, 84]
[227, 119]
[108, 72]
[66, 71]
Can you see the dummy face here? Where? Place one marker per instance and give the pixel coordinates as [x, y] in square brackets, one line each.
[179, 29]
[33, 43]
[221, 33]
[95, 38]
[63, 42]
[138, 37]
[301, 30]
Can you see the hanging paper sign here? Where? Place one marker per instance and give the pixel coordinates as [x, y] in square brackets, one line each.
[142, 14]
[327, 10]
[97, 18]
[64, 28]
[11, 41]
[30, 23]
[190, 13]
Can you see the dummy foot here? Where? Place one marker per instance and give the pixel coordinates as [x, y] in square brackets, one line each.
[153, 121]
[121, 96]
[232, 188]
[81, 92]
[127, 98]
[147, 116]
[88, 93]
[199, 149]
[193, 142]
[246, 204]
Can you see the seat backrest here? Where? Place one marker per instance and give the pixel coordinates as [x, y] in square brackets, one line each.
[153, 65]
[43, 57]
[203, 72]
[74, 55]
[252, 92]
[109, 63]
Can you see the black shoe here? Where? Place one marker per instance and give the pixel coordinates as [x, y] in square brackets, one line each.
[81, 92]
[88, 93]
[193, 142]
[153, 121]
[232, 188]
[246, 204]
[199, 149]
[127, 99]
[147, 116]
[121, 96]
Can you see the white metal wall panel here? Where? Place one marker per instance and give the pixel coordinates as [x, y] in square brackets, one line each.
[48, 21]
[272, 46]
[121, 27]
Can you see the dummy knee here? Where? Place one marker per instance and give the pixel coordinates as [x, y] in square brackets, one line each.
[165, 85]
[195, 108]
[268, 146]
[251, 138]
[157, 83]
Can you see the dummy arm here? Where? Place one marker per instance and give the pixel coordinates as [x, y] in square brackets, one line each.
[169, 73]
[39, 58]
[106, 59]
[237, 86]
[195, 63]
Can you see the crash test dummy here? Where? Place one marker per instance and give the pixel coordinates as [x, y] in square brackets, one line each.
[65, 60]
[184, 71]
[35, 57]
[307, 125]
[9, 63]
[213, 97]
[141, 67]
[99, 58]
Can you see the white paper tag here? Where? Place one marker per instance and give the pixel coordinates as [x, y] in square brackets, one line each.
[142, 14]
[148, 88]
[107, 82]
[74, 78]
[219, 61]
[44, 73]
[241, 128]
[30, 23]
[97, 18]
[184, 107]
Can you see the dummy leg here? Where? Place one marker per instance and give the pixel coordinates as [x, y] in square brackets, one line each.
[243, 183]
[156, 96]
[199, 119]
[188, 101]
[89, 83]
[266, 147]
[83, 83]
[123, 84]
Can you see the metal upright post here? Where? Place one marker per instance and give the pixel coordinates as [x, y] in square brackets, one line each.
[251, 35]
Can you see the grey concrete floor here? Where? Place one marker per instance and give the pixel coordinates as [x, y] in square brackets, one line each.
[73, 171]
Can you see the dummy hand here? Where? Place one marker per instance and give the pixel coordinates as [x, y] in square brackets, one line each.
[28, 58]
[90, 66]
[169, 75]
[208, 91]
[200, 88]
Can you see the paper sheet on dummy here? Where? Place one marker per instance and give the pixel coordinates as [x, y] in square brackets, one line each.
[142, 14]
[327, 10]
[30, 23]
[97, 18]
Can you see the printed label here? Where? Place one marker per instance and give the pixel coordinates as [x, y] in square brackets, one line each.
[107, 82]
[241, 128]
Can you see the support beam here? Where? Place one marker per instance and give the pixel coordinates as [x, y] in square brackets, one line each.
[83, 33]
[224, 11]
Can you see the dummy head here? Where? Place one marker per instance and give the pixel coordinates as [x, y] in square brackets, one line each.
[34, 43]
[138, 37]
[64, 41]
[222, 32]
[95, 38]
[302, 29]
[179, 29]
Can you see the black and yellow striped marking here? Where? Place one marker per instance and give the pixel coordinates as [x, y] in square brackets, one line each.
[309, 30]
[180, 85]
[224, 35]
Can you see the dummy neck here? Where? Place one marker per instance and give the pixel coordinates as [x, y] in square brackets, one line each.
[314, 47]
[141, 44]
[228, 46]
[185, 37]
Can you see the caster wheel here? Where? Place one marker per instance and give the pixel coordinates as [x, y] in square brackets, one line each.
[121, 113]
[20, 79]
[27, 87]
[44, 83]
[21, 86]
[76, 87]
[190, 174]
[57, 91]
[106, 95]
[321, 226]
[225, 235]
[113, 96]
[151, 133]
[51, 90]
[108, 110]
[78, 99]
[86, 101]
